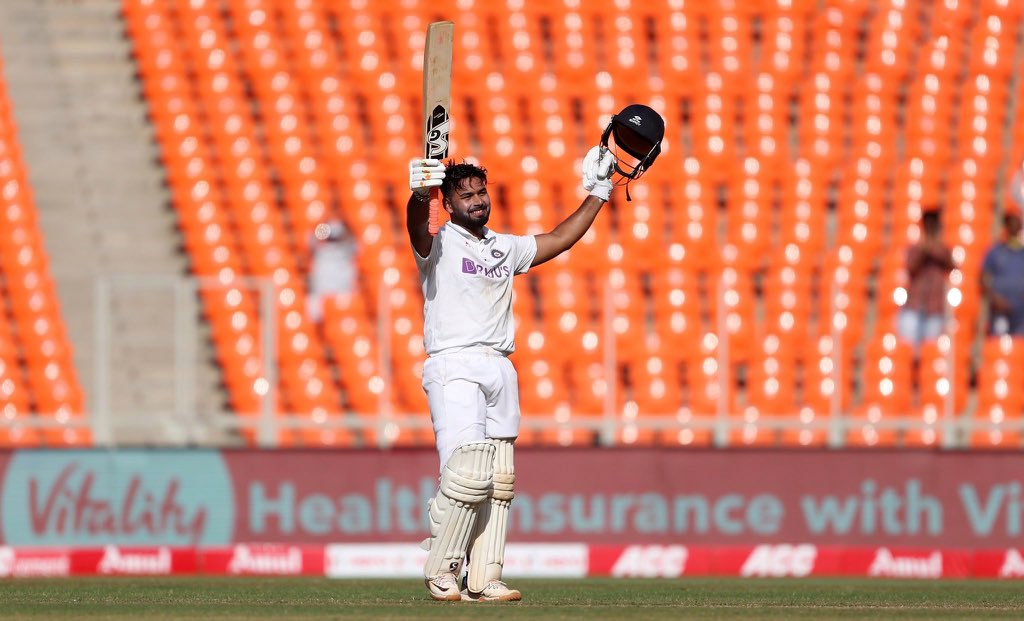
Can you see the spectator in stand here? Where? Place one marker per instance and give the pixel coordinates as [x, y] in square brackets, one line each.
[929, 262]
[1002, 277]
[333, 269]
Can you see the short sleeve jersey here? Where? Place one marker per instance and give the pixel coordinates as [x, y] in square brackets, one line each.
[1005, 266]
[926, 291]
[467, 289]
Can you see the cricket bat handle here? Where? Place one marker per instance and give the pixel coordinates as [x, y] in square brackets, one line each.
[434, 211]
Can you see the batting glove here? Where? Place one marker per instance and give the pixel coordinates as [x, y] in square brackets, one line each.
[425, 174]
[597, 173]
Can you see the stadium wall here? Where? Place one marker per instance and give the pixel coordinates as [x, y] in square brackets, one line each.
[578, 512]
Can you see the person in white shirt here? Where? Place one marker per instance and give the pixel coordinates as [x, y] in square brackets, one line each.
[472, 389]
[333, 265]
[466, 272]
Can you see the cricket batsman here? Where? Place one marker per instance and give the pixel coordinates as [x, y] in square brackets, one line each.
[472, 390]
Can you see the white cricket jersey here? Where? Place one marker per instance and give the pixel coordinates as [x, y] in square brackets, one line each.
[467, 289]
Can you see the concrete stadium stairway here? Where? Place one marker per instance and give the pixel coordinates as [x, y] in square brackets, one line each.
[104, 210]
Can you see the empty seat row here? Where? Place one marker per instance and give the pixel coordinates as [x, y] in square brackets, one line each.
[790, 180]
[41, 399]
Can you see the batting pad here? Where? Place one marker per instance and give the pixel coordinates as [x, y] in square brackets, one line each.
[487, 552]
[465, 485]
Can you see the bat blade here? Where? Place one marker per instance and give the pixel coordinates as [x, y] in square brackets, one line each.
[437, 100]
[437, 88]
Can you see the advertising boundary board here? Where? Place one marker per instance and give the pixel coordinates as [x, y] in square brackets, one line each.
[599, 498]
[387, 560]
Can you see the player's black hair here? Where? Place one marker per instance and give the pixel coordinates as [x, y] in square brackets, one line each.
[931, 218]
[457, 174]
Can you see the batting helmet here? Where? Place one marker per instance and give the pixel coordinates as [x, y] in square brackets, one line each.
[638, 130]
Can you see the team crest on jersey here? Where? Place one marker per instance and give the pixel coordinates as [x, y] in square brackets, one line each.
[497, 254]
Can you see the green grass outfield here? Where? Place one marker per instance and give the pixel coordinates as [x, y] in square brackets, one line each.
[318, 598]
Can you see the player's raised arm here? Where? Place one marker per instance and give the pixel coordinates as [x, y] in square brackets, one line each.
[629, 145]
[597, 172]
[424, 174]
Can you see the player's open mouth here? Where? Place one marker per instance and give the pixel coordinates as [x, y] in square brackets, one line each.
[476, 210]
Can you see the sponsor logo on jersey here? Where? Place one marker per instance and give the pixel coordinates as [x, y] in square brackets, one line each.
[499, 272]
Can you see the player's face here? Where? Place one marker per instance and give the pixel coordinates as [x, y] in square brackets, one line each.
[470, 205]
[1013, 225]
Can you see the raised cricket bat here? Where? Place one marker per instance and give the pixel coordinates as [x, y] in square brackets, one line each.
[437, 102]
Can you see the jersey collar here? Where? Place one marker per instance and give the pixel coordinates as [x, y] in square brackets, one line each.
[489, 235]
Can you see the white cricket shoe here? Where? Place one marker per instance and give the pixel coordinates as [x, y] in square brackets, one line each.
[443, 588]
[495, 591]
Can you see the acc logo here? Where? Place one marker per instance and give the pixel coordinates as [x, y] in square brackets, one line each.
[780, 560]
[651, 561]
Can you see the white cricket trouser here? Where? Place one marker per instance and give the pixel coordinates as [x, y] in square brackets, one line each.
[472, 396]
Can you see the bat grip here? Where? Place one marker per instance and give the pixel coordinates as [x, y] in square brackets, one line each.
[434, 211]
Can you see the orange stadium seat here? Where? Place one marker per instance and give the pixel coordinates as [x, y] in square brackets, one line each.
[833, 42]
[677, 36]
[891, 31]
[825, 393]
[886, 392]
[731, 312]
[729, 42]
[820, 127]
[1000, 405]
[38, 381]
[708, 396]
[770, 394]
[803, 142]
[251, 235]
[750, 212]
[765, 117]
